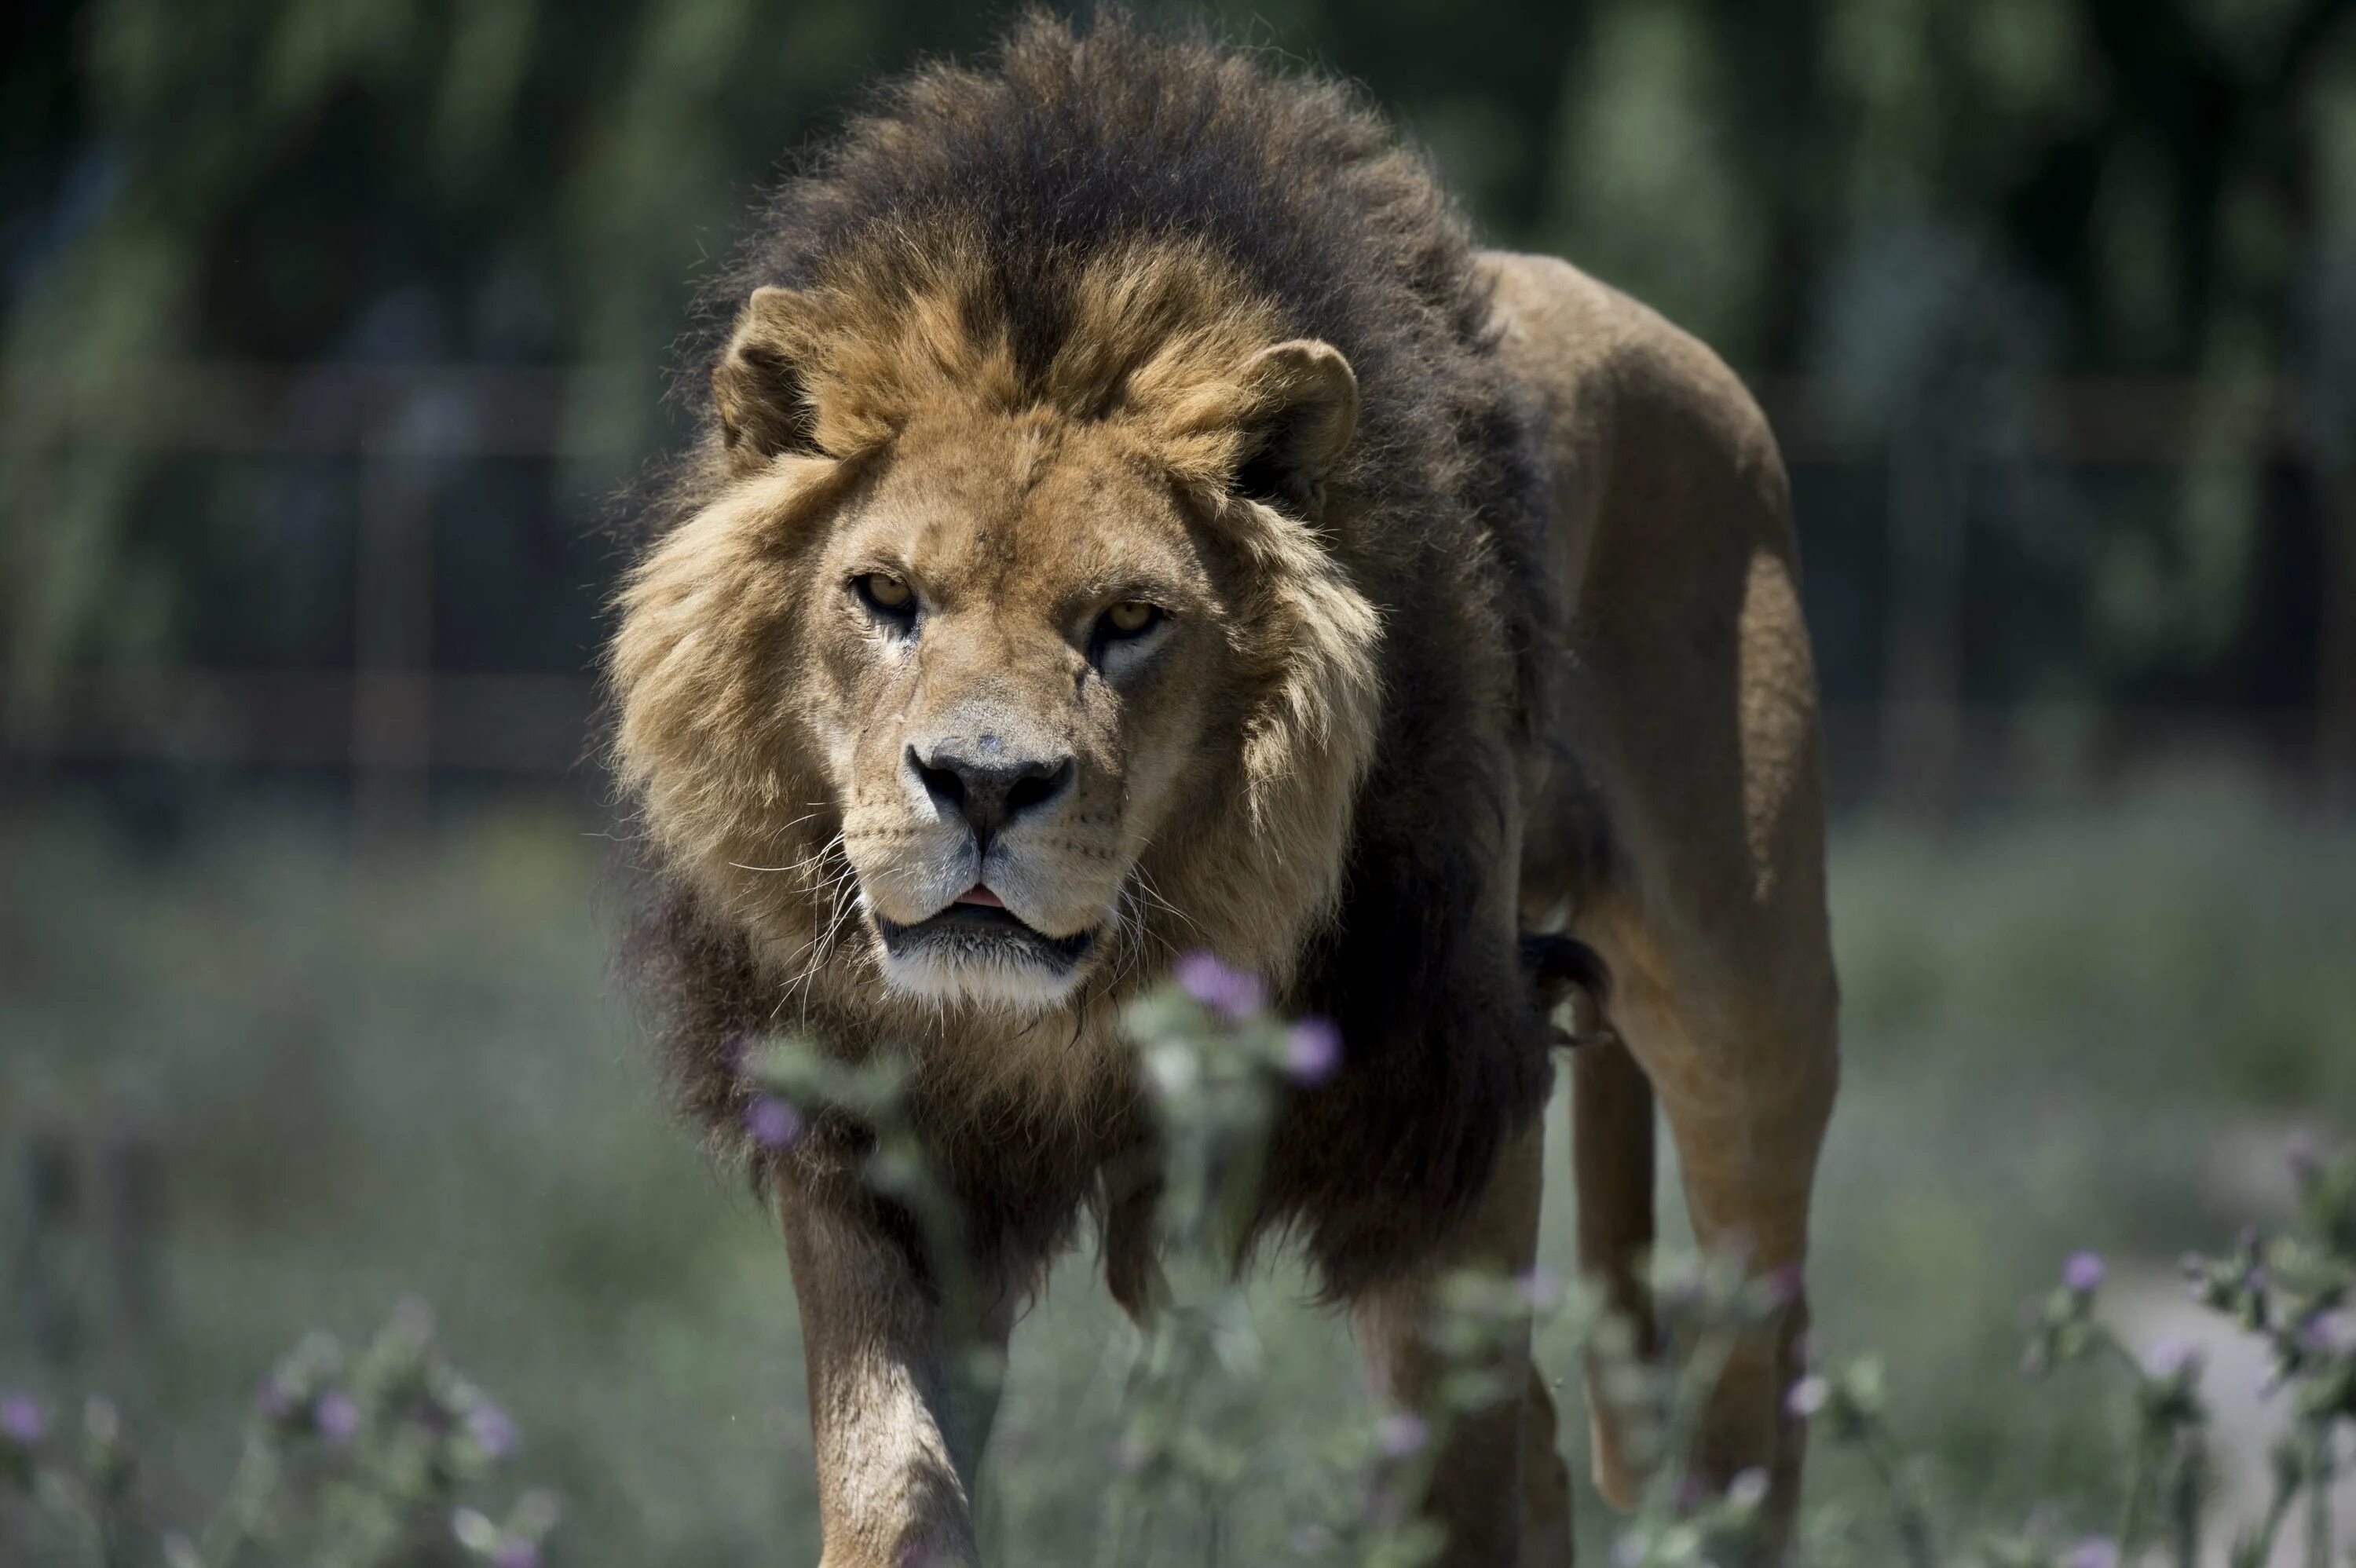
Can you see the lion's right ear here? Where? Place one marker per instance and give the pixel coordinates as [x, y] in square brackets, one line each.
[759, 386]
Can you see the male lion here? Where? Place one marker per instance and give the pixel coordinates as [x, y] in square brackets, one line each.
[1132, 519]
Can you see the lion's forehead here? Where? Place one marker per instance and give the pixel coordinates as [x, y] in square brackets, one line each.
[1029, 515]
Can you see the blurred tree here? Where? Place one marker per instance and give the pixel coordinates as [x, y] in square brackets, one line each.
[508, 180]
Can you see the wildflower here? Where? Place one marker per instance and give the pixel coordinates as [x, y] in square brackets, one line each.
[2329, 1334]
[1808, 1397]
[474, 1531]
[773, 1124]
[2095, 1552]
[493, 1433]
[1539, 1289]
[1311, 1541]
[336, 1416]
[2084, 1272]
[2173, 1359]
[1313, 1051]
[21, 1421]
[1220, 988]
[1402, 1435]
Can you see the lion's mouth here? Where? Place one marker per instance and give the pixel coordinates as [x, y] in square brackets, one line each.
[970, 929]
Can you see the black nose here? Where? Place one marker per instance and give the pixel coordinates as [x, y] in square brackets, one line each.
[986, 785]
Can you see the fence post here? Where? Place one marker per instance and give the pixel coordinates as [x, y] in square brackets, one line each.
[135, 1191]
[392, 618]
[1923, 661]
[49, 1194]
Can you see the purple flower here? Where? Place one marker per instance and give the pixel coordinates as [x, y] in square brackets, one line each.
[2095, 1552]
[2173, 1359]
[1402, 1435]
[2329, 1333]
[772, 1123]
[1313, 1051]
[337, 1417]
[2083, 1272]
[516, 1551]
[21, 1421]
[1808, 1396]
[1223, 990]
[493, 1433]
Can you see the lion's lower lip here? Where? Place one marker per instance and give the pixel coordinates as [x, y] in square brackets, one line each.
[984, 930]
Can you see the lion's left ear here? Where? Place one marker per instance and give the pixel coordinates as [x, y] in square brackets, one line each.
[1301, 410]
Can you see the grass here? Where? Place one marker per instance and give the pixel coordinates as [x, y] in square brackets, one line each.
[2083, 1027]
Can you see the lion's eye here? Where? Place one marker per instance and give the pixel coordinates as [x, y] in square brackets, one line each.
[1130, 618]
[885, 594]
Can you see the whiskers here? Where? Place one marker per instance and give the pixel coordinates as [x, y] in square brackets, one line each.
[833, 884]
[798, 866]
[1136, 935]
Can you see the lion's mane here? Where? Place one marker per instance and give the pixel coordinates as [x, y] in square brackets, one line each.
[1071, 145]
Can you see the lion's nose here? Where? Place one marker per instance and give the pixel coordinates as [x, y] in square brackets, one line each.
[984, 784]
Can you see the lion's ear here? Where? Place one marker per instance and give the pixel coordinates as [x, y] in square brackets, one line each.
[1302, 409]
[758, 387]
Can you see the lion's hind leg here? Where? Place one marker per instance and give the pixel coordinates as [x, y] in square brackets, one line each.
[1745, 1068]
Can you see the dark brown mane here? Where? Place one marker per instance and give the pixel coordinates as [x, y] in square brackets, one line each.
[1070, 143]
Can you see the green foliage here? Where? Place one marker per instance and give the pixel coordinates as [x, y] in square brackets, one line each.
[353, 1464]
[361, 1080]
[418, 181]
[347, 1461]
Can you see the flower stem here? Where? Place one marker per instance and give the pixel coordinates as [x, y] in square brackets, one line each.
[2319, 1496]
[1906, 1509]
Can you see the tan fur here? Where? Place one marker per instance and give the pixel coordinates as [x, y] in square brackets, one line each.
[868, 421]
[1693, 706]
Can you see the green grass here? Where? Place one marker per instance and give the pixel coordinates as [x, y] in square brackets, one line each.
[2077, 1028]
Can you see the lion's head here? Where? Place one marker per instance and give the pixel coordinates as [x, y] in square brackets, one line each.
[986, 679]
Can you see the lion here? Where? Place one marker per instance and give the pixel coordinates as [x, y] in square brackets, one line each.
[1131, 518]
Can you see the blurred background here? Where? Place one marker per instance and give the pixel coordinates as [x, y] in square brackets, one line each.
[330, 331]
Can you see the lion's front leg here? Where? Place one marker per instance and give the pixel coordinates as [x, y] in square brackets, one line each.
[1497, 1485]
[897, 1430]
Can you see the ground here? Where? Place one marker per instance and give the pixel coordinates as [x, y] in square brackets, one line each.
[2083, 1025]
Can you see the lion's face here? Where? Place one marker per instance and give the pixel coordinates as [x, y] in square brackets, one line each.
[988, 685]
[1015, 639]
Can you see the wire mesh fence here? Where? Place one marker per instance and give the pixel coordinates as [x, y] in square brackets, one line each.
[432, 653]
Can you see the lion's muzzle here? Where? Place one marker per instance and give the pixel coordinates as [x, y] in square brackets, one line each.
[990, 785]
